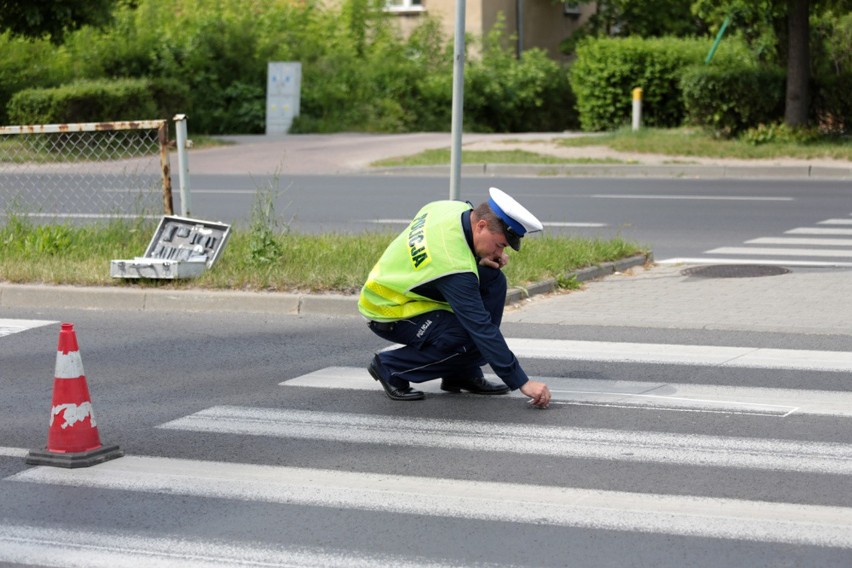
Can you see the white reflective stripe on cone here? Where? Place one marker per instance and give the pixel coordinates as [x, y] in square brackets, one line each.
[69, 365]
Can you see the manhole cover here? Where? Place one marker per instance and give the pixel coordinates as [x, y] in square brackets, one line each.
[734, 271]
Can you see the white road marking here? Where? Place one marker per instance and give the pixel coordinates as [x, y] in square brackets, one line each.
[708, 355]
[817, 231]
[836, 222]
[566, 224]
[702, 517]
[694, 197]
[586, 443]
[766, 261]
[780, 251]
[800, 241]
[13, 452]
[631, 394]
[50, 546]
[225, 191]
[10, 326]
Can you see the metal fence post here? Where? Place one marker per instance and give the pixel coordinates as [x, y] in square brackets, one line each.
[183, 164]
[166, 168]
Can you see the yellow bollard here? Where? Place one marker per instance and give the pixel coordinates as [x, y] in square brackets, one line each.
[637, 108]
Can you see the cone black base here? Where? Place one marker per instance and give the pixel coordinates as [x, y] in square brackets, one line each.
[74, 460]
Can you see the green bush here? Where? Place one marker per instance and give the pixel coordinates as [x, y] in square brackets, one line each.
[26, 64]
[728, 100]
[831, 105]
[608, 69]
[93, 101]
[358, 72]
[507, 94]
[217, 50]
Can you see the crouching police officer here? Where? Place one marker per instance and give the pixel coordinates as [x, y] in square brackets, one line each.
[439, 291]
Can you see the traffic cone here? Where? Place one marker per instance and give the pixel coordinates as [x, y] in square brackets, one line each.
[72, 438]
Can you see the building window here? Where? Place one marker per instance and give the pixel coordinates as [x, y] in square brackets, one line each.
[571, 8]
[404, 5]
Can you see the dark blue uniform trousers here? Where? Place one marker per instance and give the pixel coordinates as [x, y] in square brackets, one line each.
[435, 343]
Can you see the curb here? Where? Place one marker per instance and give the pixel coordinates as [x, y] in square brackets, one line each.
[515, 295]
[105, 298]
[627, 170]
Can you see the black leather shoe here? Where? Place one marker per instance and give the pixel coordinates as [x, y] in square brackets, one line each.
[394, 393]
[476, 385]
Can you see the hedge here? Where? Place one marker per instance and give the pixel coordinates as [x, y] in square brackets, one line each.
[831, 103]
[608, 69]
[29, 63]
[97, 101]
[732, 99]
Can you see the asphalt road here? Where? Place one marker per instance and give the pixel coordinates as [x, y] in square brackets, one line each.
[674, 217]
[677, 218]
[237, 452]
[260, 439]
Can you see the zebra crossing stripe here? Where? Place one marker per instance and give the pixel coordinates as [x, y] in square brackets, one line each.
[690, 516]
[13, 452]
[773, 262]
[631, 394]
[780, 251]
[10, 326]
[800, 241]
[717, 356]
[566, 442]
[818, 231]
[49, 546]
[693, 197]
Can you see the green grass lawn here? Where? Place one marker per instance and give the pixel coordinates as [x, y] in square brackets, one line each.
[690, 142]
[441, 156]
[260, 259]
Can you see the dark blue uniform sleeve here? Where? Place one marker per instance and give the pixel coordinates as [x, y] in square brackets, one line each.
[461, 291]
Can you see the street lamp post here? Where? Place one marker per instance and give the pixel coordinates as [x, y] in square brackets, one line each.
[458, 101]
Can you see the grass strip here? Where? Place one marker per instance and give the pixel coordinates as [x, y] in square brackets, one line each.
[692, 142]
[441, 156]
[285, 261]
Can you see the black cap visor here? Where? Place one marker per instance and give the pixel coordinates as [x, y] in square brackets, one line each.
[513, 238]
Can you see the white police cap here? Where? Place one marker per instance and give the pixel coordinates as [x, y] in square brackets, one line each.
[517, 219]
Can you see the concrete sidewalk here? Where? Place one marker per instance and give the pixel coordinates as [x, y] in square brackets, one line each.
[354, 153]
[805, 300]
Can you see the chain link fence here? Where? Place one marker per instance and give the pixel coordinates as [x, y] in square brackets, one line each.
[88, 171]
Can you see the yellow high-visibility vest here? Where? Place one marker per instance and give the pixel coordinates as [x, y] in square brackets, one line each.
[433, 245]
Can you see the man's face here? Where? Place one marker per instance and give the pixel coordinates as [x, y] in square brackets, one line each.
[488, 244]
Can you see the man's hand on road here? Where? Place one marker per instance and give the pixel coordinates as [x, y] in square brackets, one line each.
[538, 392]
[497, 263]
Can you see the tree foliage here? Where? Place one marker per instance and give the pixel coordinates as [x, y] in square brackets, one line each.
[359, 73]
[778, 31]
[52, 18]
